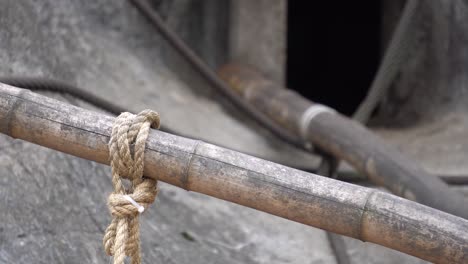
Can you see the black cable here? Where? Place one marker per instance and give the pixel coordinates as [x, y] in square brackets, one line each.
[328, 168]
[210, 75]
[338, 247]
[398, 50]
[49, 85]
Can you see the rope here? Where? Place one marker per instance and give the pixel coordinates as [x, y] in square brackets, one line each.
[122, 236]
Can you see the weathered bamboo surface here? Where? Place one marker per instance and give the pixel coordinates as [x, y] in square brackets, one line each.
[346, 139]
[335, 206]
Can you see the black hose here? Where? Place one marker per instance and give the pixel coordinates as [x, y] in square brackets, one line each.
[49, 85]
[328, 167]
[338, 247]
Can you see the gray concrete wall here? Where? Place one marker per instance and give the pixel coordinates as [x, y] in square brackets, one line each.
[258, 35]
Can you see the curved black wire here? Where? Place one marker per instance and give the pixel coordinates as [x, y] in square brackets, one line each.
[50, 85]
[211, 76]
[397, 53]
[328, 168]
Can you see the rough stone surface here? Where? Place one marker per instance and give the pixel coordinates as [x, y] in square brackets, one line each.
[54, 205]
[440, 147]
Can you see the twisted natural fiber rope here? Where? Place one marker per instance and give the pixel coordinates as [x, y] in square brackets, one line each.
[122, 237]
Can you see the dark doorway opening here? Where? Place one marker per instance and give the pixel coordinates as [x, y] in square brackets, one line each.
[333, 50]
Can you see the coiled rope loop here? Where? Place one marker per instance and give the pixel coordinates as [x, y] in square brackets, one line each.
[122, 237]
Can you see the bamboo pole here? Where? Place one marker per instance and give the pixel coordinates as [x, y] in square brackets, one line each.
[345, 139]
[339, 207]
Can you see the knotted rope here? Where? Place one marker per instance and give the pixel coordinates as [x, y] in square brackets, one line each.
[122, 237]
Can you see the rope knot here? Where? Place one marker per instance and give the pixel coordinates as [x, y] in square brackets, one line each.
[126, 152]
[121, 205]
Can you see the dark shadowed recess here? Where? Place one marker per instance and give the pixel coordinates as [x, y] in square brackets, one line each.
[333, 50]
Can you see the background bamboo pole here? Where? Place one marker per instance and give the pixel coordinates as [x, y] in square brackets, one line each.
[321, 202]
[346, 139]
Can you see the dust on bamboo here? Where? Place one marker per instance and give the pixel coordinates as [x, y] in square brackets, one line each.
[339, 207]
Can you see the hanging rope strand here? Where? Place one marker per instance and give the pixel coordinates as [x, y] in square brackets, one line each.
[122, 237]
